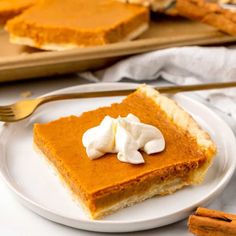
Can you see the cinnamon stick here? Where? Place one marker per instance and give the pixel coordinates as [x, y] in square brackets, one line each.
[207, 222]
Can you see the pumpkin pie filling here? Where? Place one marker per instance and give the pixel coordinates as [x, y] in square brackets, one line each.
[11, 8]
[52, 24]
[105, 185]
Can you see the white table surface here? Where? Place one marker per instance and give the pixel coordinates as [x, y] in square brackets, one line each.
[16, 220]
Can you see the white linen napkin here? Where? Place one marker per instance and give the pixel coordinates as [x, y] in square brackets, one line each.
[186, 65]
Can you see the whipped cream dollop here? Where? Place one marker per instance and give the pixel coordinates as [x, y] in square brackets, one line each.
[124, 136]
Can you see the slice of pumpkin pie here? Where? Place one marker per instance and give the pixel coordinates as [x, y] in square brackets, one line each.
[116, 156]
[59, 24]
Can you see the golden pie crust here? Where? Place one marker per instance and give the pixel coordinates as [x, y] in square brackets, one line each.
[210, 13]
[56, 25]
[105, 185]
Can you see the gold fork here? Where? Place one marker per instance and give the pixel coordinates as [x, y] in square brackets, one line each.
[23, 109]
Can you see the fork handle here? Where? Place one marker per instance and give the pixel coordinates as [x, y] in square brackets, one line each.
[85, 95]
[162, 89]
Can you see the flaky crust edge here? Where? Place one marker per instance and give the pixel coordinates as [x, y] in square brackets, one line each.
[181, 118]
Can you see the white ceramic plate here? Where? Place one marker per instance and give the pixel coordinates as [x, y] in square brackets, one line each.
[35, 185]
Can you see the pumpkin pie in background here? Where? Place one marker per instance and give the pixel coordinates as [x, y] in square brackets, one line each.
[11, 8]
[59, 25]
[208, 12]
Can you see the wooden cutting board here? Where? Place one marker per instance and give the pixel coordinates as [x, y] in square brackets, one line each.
[18, 62]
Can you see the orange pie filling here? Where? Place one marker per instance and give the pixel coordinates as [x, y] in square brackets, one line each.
[52, 24]
[105, 185]
[11, 8]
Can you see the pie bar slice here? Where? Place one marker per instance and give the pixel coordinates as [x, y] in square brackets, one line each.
[209, 13]
[11, 8]
[58, 25]
[105, 185]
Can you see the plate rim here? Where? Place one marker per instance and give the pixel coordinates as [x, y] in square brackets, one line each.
[26, 200]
